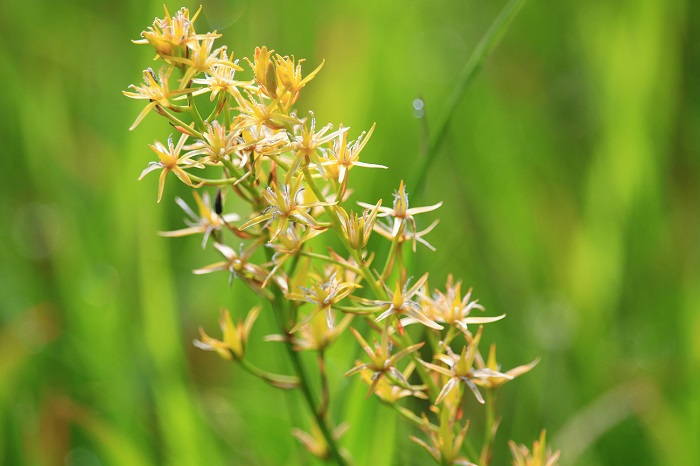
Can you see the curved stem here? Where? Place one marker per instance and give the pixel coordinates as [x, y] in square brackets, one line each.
[177, 122]
[194, 112]
[212, 182]
[321, 257]
[286, 382]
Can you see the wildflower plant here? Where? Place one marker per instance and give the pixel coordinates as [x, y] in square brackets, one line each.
[294, 179]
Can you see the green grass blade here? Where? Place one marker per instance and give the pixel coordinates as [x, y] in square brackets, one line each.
[476, 61]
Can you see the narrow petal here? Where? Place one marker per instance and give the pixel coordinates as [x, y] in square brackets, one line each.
[305, 320]
[446, 390]
[161, 183]
[436, 368]
[356, 369]
[143, 113]
[255, 221]
[211, 268]
[422, 210]
[183, 232]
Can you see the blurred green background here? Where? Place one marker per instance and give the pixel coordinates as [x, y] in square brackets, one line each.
[570, 177]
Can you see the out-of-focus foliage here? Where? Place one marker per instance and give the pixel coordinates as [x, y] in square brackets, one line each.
[570, 177]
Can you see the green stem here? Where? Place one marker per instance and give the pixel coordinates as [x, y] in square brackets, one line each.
[212, 182]
[406, 341]
[195, 113]
[392, 252]
[476, 61]
[177, 122]
[280, 381]
[300, 370]
[366, 273]
[411, 416]
[220, 101]
[321, 257]
[325, 394]
[280, 163]
[489, 434]
[311, 404]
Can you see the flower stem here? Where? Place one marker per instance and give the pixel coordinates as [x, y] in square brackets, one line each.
[489, 429]
[212, 182]
[280, 381]
[325, 394]
[304, 386]
[321, 257]
[366, 273]
[175, 121]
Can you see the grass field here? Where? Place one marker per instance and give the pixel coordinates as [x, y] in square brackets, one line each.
[570, 175]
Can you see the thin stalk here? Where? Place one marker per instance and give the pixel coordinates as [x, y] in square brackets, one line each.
[388, 265]
[212, 182]
[476, 61]
[321, 257]
[220, 103]
[283, 165]
[177, 122]
[433, 390]
[325, 394]
[247, 186]
[279, 381]
[300, 370]
[311, 404]
[366, 273]
[411, 416]
[489, 431]
[195, 113]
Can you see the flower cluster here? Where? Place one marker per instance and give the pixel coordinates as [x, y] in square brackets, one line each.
[294, 176]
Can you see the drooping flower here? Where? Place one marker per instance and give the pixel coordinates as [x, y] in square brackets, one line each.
[239, 266]
[205, 223]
